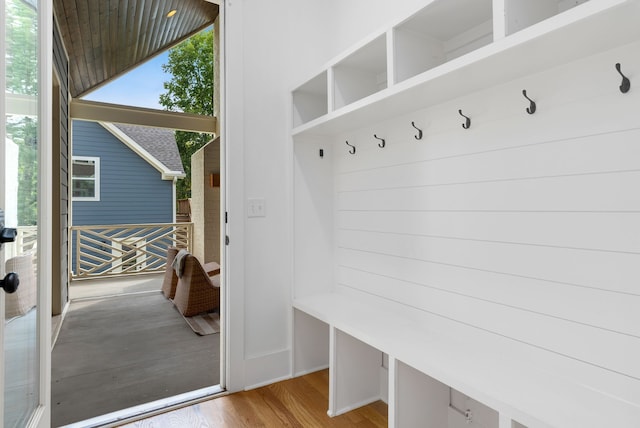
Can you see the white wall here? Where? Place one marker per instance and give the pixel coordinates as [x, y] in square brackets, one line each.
[271, 47]
[268, 46]
[352, 20]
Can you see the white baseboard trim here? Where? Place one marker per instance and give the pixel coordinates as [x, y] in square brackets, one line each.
[55, 333]
[267, 383]
[354, 406]
[311, 370]
[267, 369]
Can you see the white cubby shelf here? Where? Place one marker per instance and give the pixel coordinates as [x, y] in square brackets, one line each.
[421, 68]
[362, 73]
[438, 33]
[310, 101]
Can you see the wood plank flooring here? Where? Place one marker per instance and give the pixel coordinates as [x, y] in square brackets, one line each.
[299, 402]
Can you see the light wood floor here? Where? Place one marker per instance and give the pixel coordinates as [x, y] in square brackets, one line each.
[300, 402]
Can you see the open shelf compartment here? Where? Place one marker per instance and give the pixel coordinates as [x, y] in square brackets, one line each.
[310, 100]
[356, 374]
[421, 400]
[311, 343]
[520, 14]
[360, 74]
[440, 32]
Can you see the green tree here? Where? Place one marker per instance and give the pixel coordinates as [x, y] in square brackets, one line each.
[22, 78]
[190, 90]
[23, 132]
[21, 55]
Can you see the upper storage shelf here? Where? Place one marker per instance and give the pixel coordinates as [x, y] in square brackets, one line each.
[520, 14]
[450, 48]
[360, 74]
[310, 100]
[438, 33]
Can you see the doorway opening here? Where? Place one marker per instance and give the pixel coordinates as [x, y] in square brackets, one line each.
[127, 303]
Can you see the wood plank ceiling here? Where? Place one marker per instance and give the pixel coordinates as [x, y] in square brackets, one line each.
[106, 38]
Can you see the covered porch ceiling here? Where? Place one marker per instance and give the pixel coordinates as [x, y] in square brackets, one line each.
[106, 38]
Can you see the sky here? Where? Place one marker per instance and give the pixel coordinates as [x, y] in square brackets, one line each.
[141, 87]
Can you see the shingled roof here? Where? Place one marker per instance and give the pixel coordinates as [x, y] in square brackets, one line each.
[159, 142]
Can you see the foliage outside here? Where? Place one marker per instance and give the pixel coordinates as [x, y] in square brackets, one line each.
[190, 90]
[22, 79]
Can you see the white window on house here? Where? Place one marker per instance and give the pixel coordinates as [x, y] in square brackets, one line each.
[86, 178]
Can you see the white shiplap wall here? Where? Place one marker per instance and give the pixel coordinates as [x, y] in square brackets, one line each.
[524, 228]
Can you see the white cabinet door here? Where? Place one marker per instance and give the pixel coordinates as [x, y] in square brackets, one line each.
[25, 315]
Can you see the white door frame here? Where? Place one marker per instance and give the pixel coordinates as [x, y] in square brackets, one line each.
[3, 115]
[42, 416]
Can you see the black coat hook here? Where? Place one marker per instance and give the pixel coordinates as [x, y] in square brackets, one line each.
[626, 83]
[467, 123]
[353, 148]
[382, 143]
[532, 107]
[419, 136]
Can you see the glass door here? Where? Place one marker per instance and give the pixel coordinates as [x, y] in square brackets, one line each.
[21, 142]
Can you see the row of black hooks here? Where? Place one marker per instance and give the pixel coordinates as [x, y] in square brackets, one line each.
[531, 109]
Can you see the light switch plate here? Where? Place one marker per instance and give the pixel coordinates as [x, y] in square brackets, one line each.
[256, 207]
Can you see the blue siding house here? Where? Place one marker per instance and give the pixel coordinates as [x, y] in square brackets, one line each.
[122, 174]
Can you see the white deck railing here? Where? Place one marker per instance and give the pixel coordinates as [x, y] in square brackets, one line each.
[125, 249]
[26, 242]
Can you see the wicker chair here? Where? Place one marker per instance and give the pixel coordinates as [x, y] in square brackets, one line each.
[170, 278]
[25, 297]
[197, 292]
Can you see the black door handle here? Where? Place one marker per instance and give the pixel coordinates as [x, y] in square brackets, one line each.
[7, 234]
[10, 282]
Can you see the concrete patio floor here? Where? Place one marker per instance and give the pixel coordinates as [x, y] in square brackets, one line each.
[123, 344]
[103, 287]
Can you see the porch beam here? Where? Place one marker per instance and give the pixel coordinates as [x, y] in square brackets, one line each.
[104, 112]
[22, 105]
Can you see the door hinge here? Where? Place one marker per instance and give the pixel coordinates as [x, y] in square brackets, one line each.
[226, 217]
[226, 240]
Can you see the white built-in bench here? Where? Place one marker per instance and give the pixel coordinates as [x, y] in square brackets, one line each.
[521, 394]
